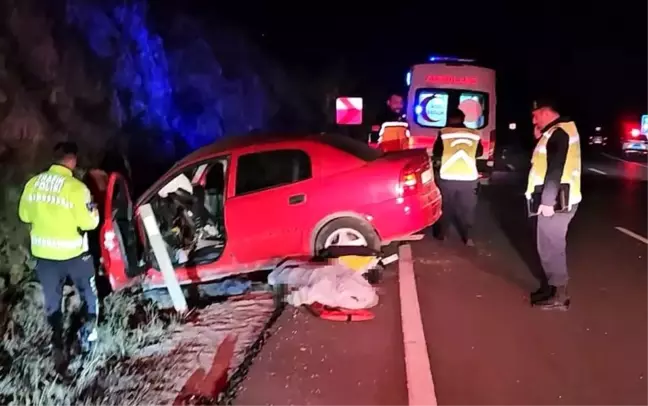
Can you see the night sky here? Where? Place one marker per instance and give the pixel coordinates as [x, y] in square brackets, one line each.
[592, 58]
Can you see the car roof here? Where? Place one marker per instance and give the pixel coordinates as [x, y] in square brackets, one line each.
[231, 143]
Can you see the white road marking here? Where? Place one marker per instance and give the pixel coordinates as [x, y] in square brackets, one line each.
[420, 385]
[597, 171]
[623, 160]
[633, 235]
[511, 167]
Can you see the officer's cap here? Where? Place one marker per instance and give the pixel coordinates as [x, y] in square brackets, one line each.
[544, 102]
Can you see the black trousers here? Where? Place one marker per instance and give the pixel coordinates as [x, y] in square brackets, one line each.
[52, 276]
[459, 203]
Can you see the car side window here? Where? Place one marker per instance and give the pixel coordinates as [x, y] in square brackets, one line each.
[264, 170]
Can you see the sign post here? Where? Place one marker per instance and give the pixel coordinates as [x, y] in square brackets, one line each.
[162, 257]
[348, 110]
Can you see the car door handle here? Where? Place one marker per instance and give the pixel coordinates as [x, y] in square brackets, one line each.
[296, 199]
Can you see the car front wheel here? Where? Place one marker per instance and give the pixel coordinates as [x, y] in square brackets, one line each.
[347, 232]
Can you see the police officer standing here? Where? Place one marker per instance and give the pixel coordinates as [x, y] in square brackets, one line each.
[458, 147]
[59, 210]
[554, 180]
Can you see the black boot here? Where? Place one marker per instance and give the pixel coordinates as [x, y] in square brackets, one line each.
[543, 294]
[559, 301]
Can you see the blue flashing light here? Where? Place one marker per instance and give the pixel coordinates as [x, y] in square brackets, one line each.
[449, 59]
[173, 89]
[408, 78]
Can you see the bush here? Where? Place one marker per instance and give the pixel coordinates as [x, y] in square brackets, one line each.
[111, 374]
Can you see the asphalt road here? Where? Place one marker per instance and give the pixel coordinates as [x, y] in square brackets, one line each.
[486, 344]
[310, 361]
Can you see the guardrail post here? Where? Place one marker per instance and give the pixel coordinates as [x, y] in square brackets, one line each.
[162, 258]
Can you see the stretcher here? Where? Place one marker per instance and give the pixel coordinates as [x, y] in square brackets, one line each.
[340, 314]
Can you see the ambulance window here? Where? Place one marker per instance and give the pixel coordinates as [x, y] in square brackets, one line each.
[431, 108]
[473, 105]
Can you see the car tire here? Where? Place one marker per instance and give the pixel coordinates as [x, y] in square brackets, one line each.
[360, 226]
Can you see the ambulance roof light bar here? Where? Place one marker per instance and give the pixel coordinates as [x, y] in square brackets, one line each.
[436, 58]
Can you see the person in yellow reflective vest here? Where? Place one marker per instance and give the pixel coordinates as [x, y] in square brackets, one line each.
[555, 168]
[59, 211]
[394, 136]
[457, 147]
[393, 112]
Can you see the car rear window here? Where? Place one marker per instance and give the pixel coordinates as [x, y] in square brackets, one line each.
[351, 146]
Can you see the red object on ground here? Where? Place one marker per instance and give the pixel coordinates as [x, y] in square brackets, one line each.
[278, 197]
[340, 314]
[207, 385]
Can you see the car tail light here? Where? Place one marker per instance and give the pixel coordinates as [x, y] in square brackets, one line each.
[411, 178]
[635, 132]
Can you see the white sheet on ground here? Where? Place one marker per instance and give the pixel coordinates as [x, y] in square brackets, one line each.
[330, 285]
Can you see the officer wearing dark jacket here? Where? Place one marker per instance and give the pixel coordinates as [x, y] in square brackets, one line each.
[556, 169]
[458, 147]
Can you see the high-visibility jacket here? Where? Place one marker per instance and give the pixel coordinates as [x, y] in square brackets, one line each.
[459, 161]
[571, 173]
[59, 209]
[394, 136]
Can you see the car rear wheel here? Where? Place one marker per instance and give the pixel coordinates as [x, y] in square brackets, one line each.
[347, 231]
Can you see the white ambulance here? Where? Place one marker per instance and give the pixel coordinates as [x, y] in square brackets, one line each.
[442, 84]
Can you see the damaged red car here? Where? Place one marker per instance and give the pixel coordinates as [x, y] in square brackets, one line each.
[245, 203]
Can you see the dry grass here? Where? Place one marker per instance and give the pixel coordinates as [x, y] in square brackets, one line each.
[109, 375]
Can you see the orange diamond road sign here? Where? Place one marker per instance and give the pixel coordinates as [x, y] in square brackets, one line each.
[348, 110]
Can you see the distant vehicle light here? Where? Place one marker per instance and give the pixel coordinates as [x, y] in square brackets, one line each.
[597, 129]
[635, 132]
[512, 126]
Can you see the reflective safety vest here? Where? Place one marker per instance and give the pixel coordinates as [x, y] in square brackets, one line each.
[572, 169]
[59, 208]
[459, 154]
[394, 136]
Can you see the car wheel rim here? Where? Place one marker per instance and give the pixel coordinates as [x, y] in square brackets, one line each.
[346, 237]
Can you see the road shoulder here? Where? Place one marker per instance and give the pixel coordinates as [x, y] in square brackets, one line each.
[310, 361]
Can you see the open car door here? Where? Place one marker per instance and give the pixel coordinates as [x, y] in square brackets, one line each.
[118, 236]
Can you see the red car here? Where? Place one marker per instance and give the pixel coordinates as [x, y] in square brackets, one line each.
[245, 203]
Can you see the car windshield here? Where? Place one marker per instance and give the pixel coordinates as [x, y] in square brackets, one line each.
[351, 146]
